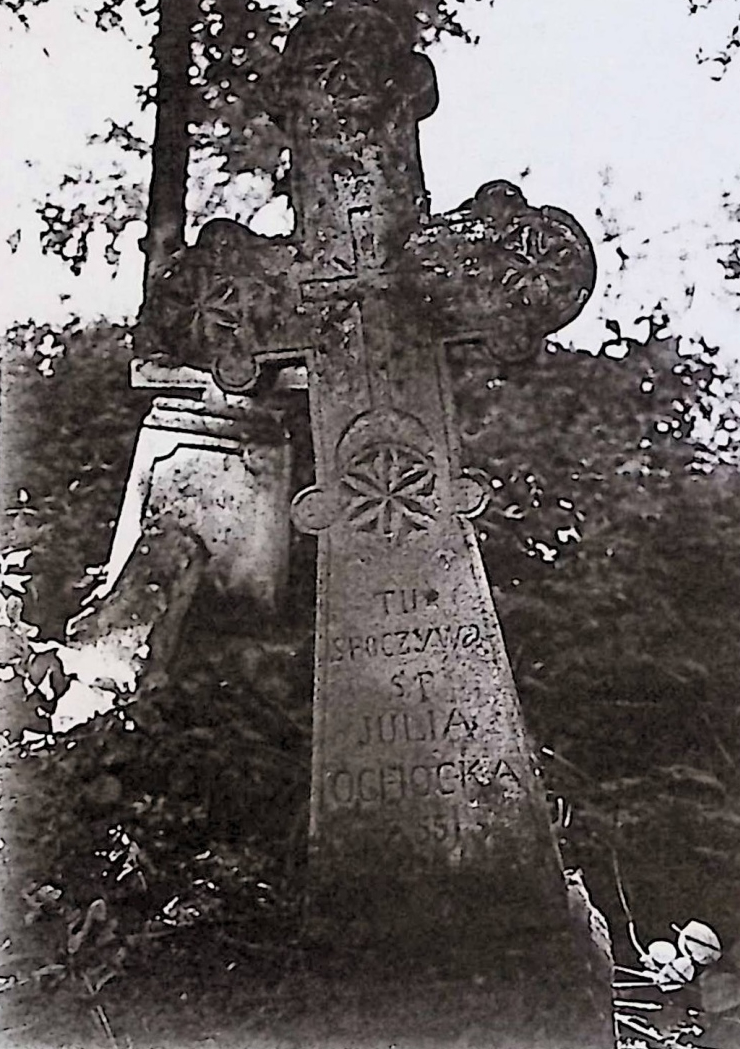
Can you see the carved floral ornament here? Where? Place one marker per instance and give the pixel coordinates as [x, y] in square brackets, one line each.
[388, 478]
[514, 273]
[361, 64]
[495, 271]
[218, 303]
[193, 307]
[386, 482]
[390, 491]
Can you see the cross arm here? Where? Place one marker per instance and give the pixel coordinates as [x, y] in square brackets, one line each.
[499, 271]
[225, 305]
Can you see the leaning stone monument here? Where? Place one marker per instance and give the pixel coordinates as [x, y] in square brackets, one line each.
[430, 845]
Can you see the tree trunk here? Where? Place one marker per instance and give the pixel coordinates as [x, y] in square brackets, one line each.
[166, 210]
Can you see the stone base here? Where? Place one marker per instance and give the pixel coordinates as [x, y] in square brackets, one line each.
[224, 475]
[363, 1007]
[516, 958]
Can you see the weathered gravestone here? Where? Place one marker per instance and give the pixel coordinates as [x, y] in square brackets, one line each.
[429, 834]
[206, 505]
[220, 464]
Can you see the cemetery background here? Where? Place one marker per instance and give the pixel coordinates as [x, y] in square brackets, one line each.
[640, 712]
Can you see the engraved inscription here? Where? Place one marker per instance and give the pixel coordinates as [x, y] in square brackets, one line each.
[395, 782]
[428, 726]
[435, 828]
[393, 643]
[416, 686]
[404, 601]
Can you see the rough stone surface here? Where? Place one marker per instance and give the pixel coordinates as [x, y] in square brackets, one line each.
[430, 840]
[120, 644]
[222, 467]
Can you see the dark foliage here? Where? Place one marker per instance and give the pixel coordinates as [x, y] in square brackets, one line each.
[189, 809]
[614, 549]
[68, 441]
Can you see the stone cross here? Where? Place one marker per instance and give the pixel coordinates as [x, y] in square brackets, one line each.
[428, 828]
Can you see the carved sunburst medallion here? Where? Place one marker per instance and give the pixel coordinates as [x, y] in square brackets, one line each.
[204, 306]
[190, 312]
[390, 491]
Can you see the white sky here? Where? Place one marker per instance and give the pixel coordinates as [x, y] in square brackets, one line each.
[602, 99]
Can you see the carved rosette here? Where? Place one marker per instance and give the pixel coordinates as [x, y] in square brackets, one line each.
[191, 312]
[516, 273]
[385, 484]
[389, 490]
[220, 304]
[388, 483]
[355, 67]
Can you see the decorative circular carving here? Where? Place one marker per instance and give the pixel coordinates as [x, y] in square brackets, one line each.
[235, 370]
[219, 304]
[360, 57]
[191, 315]
[390, 490]
[512, 273]
[469, 494]
[199, 307]
[313, 510]
[340, 66]
[551, 268]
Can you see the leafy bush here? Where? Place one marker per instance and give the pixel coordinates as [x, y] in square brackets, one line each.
[613, 544]
[190, 807]
[68, 437]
